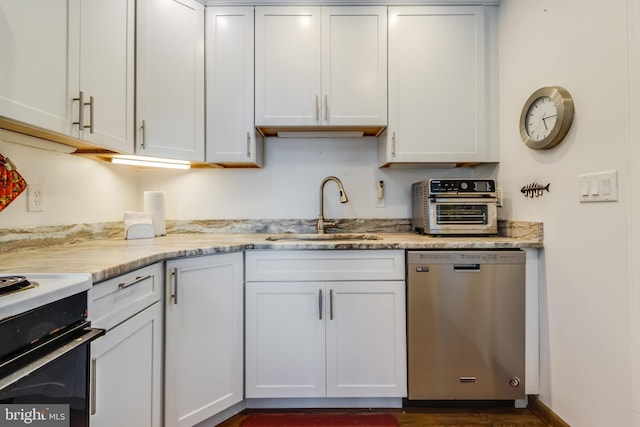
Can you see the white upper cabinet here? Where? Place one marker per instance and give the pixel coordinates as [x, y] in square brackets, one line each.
[354, 66]
[35, 70]
[441, 83]
[287, 65]
[170, 79]
[321, 66]
[54, 50]
[231, 138]
[107, 60]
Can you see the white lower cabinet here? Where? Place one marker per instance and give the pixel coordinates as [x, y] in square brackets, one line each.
[126, 371]
[203, 333]
[366, 339]
[310, 334]
[126, 363]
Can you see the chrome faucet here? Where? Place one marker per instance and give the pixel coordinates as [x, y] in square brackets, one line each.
[322, 224]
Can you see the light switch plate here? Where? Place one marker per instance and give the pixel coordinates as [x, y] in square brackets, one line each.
[598, 187]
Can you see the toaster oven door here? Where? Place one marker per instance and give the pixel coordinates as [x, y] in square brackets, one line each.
[463, 216]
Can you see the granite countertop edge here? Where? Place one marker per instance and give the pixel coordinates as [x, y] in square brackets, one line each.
[108, 258]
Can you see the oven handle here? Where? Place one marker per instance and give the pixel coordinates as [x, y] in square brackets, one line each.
[89, 335]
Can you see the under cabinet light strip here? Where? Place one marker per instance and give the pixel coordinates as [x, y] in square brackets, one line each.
[151, 162]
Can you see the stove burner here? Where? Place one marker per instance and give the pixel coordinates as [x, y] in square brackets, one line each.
[11, 284]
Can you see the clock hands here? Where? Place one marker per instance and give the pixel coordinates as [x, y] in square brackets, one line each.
[545, 118]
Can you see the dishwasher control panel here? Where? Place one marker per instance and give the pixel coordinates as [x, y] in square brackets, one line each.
[467, 257]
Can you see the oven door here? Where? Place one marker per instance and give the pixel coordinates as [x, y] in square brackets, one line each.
[54, 374]
[463, 216]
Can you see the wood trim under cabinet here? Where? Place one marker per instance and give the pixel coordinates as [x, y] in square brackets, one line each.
[545, 413]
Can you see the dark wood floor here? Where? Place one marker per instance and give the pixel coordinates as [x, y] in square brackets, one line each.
[419, 416]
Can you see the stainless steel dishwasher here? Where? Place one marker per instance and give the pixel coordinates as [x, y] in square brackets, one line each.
[466, 325]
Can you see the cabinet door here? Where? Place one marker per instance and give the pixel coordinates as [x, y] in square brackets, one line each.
[287, 65]
[230, 132]
[438, 109]
[170, 79]
[107, 72]
[285, 339]
[38, 51]
[366, 341]
[126, 373]
[354, 65]
[204, 335]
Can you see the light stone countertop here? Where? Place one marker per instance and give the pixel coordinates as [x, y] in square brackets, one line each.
[111, 257]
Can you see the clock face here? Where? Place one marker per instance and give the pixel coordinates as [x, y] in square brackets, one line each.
[541, 118]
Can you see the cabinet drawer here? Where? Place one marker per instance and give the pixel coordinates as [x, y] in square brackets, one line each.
[324, 265]
[115, 300]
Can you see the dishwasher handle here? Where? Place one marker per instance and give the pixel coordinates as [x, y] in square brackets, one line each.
[466, 268]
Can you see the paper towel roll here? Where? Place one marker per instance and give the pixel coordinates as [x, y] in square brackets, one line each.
[154, 204]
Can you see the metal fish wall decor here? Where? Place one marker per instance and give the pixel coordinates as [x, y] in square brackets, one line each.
[534, 189]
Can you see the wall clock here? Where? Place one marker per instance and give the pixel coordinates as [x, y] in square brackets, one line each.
[546, 117]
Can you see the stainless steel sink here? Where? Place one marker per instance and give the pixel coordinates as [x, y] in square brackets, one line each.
[321, 237]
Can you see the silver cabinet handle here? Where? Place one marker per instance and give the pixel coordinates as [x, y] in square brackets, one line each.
[248, 145]
[326, 108]
[142, 135]
[320, 303]
[81, 105]
[91, 105]
[393, 144]
[174, 296]
[135, 281]
[80, 121]
[331, 304]
[93, 385]
[317, 109]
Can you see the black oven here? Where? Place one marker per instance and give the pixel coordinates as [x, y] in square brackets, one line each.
[44, 364]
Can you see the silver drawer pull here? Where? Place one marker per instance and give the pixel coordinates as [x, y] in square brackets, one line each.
[135, 281]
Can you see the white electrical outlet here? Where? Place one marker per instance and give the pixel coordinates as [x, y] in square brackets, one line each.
[598, 187]
[35, 197]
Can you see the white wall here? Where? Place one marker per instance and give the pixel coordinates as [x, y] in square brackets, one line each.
[80, 190]
[76, 190]
[585, 291]
[288, 185]
[634, 160]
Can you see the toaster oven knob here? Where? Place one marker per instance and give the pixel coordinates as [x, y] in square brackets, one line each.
[514, 382]
[464, 185]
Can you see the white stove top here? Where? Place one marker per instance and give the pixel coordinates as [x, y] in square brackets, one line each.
[51, 287]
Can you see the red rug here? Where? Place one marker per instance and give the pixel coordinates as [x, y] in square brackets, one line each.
[319, 420]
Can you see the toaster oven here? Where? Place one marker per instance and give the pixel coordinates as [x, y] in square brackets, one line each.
[454, 207]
